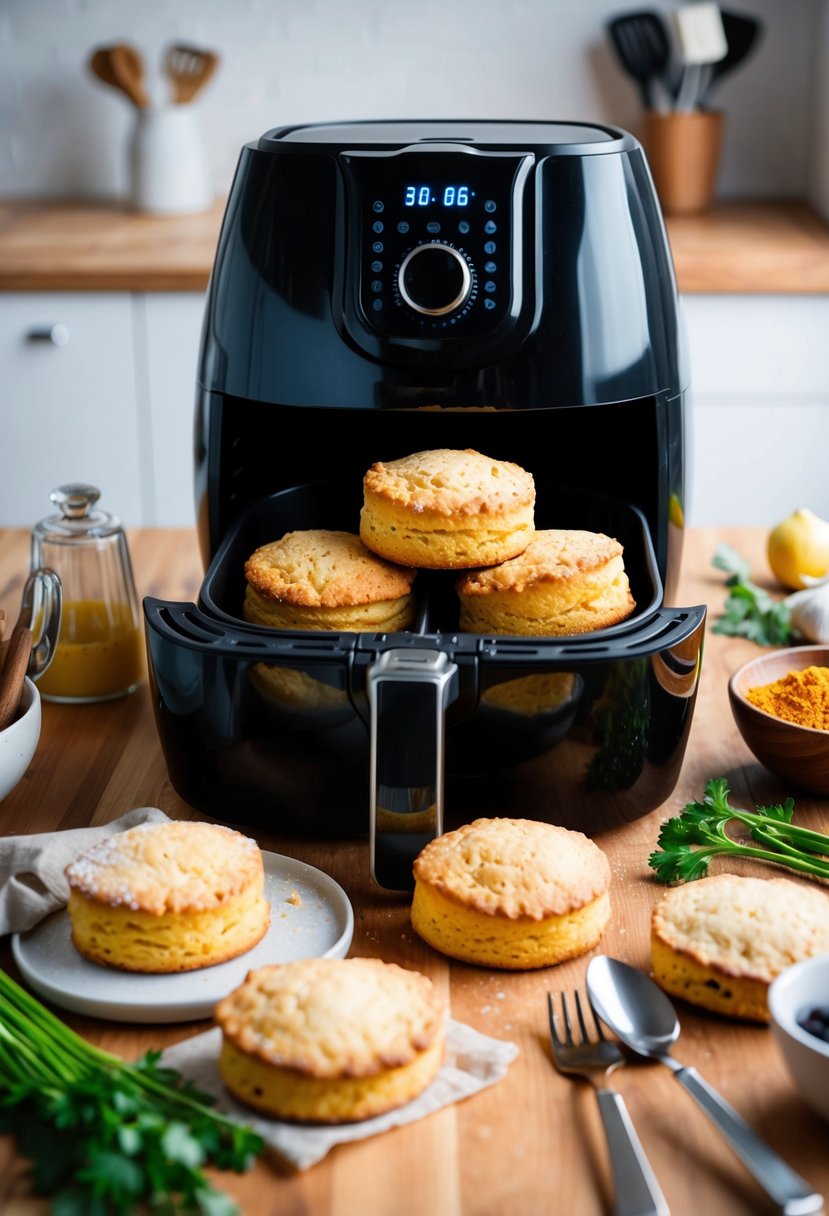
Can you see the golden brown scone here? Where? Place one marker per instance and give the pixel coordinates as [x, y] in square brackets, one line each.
[564, 582]
[718, 942]
[318, 579]
[167, 897]
[330, 1040]
[447, 509]
[511, 893]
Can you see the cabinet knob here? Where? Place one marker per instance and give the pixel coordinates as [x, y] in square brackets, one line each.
[57, 335]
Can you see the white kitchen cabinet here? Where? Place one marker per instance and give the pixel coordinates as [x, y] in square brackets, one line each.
[69, 409]
[168, 333]
[759, 422]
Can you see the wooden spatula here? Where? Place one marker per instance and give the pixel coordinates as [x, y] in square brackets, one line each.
[188, 68]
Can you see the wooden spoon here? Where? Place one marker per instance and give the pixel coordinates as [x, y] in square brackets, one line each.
[121, 66]
[14, 670]
[189, 70]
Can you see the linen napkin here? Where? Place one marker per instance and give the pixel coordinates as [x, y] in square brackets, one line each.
[473, 1062]
[32, 882]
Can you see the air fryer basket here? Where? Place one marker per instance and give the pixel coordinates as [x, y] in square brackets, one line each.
[336, 505]
[313, 732]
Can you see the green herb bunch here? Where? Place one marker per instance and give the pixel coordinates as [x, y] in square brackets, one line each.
[688, 842]
[749, 611]
[105, 1137]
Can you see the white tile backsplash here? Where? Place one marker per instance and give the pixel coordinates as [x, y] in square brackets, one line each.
[285, 61]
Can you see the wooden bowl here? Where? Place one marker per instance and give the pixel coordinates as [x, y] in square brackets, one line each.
[799, 754]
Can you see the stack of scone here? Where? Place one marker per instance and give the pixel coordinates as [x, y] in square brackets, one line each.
[331, 1040]
[461, 510]
[719, 942]
[511, 893]
[443, 509]
[168, 897]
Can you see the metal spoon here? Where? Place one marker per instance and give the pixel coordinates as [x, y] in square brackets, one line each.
[639, 1012]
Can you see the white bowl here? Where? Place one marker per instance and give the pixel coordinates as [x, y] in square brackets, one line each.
[19, 741]
[793, 993]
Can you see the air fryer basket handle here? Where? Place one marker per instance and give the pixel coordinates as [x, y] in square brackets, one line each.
[408, 692]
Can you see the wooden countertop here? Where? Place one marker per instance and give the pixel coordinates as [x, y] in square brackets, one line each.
[532, 1143]
[48, 246]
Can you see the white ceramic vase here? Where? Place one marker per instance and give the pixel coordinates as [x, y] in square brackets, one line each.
[168, 161]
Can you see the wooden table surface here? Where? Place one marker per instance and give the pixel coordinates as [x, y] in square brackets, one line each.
[48, 245]
[532, 1144]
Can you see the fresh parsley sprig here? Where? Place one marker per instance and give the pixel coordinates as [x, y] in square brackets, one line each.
[688, 842]
[749, 611]
[106, 1137]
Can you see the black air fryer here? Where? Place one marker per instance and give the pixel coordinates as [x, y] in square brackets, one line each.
[385, 288]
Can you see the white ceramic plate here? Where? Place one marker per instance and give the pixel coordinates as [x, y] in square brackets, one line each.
[319, 924]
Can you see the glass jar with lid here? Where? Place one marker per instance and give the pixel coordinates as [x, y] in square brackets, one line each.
[100, 652]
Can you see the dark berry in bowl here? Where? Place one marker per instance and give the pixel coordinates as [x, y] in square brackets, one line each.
[815, 1020]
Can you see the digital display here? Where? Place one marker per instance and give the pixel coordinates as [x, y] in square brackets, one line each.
[427, 195]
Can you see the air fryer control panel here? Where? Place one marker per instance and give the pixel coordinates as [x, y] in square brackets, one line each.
[435, 239]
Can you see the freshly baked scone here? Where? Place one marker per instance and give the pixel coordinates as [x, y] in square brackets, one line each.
[564, 582]
[511, 893]
[165, 897]
[718, 942]
[326, 580]
[330, 1040]
[447, 509]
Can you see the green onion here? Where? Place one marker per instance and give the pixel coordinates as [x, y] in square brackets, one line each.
[104, 1136]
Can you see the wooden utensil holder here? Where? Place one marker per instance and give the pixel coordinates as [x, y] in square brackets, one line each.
[683, 151]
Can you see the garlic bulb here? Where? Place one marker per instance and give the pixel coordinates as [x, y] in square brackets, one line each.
[809, 611]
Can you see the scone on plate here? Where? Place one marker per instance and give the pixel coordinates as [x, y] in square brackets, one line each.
[330, 1040]
[447, 509]
[319, 579]
[167, 897]
[564, 582]
[719, 942]
[511, 893]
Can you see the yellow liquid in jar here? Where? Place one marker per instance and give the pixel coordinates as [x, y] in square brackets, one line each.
[99, 652]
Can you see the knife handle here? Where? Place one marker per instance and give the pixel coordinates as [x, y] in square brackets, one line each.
[637, 1192]
[792, 1194]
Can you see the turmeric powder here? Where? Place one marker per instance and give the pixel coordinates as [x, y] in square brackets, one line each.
[799, 696]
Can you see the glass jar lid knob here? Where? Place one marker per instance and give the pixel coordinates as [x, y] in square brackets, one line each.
[75, 500]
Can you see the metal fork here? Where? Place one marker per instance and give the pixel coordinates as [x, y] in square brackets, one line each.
[637, 1192]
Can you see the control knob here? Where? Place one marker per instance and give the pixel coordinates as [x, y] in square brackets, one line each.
[434, 279]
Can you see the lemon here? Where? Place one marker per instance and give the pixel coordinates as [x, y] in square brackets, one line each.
[799, 545]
